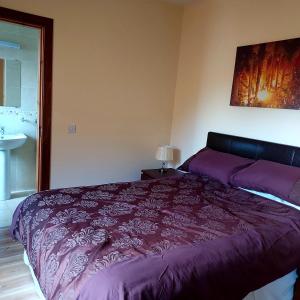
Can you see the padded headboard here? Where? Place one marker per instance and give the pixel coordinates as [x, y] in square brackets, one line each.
[255, 149]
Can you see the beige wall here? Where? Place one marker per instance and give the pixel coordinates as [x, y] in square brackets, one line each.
[212, 29]
[115, 64]
[115, 68]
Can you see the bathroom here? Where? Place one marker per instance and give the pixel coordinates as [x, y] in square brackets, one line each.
[19, 96]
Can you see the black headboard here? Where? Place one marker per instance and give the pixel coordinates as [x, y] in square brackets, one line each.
[255, 149]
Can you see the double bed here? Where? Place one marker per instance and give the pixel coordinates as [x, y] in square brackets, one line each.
[183, 237]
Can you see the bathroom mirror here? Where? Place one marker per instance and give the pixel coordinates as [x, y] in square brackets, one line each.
[10, 82]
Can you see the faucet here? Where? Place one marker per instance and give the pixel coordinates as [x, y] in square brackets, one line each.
[2, 131]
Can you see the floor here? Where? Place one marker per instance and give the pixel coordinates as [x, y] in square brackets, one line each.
[15, 279]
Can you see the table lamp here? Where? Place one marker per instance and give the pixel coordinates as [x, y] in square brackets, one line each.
[164, 154]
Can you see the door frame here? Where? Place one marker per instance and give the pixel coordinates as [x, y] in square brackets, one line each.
[45, 82]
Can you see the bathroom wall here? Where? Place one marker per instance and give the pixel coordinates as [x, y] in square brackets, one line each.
[23, 119]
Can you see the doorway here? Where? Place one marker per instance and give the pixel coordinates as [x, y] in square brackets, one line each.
[26, 43]
[44, 107]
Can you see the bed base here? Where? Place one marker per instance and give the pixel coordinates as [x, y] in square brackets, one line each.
[280, 289]
[36, 283]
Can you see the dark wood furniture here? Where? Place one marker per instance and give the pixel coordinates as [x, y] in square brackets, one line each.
[156, 173]
[297, 289]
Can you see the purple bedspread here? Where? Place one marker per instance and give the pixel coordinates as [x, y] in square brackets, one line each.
[184, 237]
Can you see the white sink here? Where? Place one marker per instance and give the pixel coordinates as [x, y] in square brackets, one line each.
[7, 143]
[12, 141]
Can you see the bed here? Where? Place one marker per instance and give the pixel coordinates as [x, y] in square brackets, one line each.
[182, 237]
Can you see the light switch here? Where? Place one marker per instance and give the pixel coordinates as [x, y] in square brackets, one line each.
[72, 129]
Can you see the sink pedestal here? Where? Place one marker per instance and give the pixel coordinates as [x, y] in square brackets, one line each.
[4, 175]
[7, 143]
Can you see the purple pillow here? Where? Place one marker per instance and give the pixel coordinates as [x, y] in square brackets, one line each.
[217, 164]
[269, 177]
[186, 164]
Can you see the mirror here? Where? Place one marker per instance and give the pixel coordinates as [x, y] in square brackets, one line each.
[10, 82]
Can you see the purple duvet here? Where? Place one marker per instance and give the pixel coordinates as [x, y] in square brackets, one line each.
[184, 237]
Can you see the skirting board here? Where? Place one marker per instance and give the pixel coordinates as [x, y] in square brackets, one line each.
[23, 193]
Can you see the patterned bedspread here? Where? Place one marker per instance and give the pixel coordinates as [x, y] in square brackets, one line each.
[183, 237]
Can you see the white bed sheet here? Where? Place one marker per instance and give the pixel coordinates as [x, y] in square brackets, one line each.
[280, 289]
[271, 197]
[36, 283]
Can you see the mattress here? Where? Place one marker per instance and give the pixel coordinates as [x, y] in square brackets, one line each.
[35, 281]
[183, 236]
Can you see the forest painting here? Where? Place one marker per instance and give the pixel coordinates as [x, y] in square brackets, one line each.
[267, 75]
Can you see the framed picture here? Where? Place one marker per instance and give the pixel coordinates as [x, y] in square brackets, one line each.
[267, 75]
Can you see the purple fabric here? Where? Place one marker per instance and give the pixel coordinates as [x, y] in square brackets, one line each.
[183, 237]
[211, 271]
[185, 166]
[217, 165]
[270, 177]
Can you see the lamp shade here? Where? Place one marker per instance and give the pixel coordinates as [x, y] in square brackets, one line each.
[164, 153]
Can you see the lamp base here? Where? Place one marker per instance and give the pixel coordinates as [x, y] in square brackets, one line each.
[163, 167]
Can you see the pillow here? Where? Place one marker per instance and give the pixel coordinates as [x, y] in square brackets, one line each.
[269, 177]
[217, 164]
[186, 164]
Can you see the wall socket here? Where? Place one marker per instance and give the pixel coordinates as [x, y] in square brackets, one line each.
[72, 129]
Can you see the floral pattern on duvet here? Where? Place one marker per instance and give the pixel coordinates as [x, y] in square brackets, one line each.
[70, 234]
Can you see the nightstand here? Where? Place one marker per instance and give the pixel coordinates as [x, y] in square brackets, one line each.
[156, 174]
